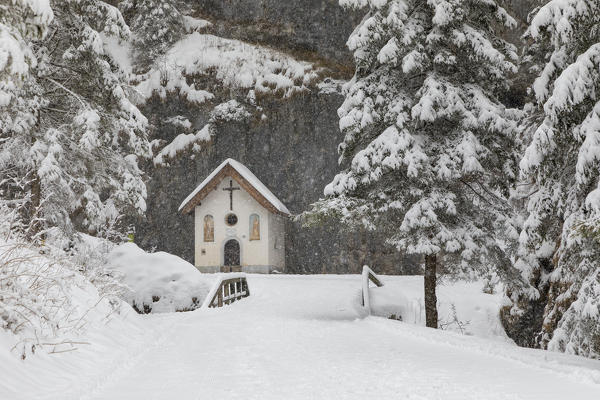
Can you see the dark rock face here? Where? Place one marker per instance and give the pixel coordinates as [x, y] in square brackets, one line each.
[520, 9]
[292, 151]
[313, 29]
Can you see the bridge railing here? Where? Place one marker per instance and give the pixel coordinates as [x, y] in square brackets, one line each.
[227, 289]
[368, 275]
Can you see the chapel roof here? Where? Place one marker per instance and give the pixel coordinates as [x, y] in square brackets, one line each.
[245, 178]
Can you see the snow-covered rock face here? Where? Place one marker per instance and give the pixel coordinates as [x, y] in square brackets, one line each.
[292, 150]
[159, 282]
[290, 142]
[317, 27]
[235, 64]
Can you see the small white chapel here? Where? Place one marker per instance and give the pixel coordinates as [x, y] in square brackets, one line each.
[239, 223]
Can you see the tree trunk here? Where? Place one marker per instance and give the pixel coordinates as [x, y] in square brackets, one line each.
[431, 314]
[36, 200]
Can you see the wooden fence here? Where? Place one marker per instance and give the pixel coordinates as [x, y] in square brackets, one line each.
[227, 290]
[368, 275]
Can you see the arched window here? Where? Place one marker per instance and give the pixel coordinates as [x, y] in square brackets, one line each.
[209, 229]
[254, 227]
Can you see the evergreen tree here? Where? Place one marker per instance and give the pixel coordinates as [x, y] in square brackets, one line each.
[525, 325]
[156, 24]
[79, 148]
[558, 245]
[429, 150]
[21, 22]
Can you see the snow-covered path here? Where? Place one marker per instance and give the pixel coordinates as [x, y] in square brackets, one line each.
[301, 339]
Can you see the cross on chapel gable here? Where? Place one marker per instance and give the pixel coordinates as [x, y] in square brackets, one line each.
[230, 189]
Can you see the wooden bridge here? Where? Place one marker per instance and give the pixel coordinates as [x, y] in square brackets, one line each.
[227, 289]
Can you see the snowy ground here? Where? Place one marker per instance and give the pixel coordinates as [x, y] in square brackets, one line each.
[302, 337]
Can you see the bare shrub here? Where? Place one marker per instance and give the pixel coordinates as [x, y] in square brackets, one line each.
[43, 284]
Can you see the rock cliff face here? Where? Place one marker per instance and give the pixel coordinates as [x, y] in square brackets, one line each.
[290, 143]
[292, 149]
[311, 29]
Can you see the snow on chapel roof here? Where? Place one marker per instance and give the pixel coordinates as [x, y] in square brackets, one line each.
[244, 177]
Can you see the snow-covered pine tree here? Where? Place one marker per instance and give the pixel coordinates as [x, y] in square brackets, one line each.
[156, 24]
[21, 23]
[79, 150]
[428, 147]
[558, 245]
[524, 326]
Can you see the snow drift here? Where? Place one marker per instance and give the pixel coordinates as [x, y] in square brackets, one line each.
[463, 307]
[50, 298]
[158, 282]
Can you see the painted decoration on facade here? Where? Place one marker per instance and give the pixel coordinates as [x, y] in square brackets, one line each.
[209, 229]
[254, 227]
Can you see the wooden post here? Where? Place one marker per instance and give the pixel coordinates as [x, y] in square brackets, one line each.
[226, 294]
[431, 314]
[245, 287]
[368, 275]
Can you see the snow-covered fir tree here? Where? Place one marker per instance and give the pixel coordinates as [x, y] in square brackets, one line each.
[559, 249]
[428, 147]
[524, 326]
[78, 150]
[156, 24]
[21, 22]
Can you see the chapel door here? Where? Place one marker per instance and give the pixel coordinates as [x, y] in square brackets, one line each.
[232, 253]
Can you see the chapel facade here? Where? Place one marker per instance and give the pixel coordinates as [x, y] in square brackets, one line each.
[239, 223]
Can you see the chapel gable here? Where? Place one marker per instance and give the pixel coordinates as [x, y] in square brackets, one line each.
[239, 222]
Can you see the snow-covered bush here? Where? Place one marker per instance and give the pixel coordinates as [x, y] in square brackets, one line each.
[51, 293]
[89, 254]
[24, 275]
[158, 282]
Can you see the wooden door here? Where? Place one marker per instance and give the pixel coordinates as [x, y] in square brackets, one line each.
[231, 253]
